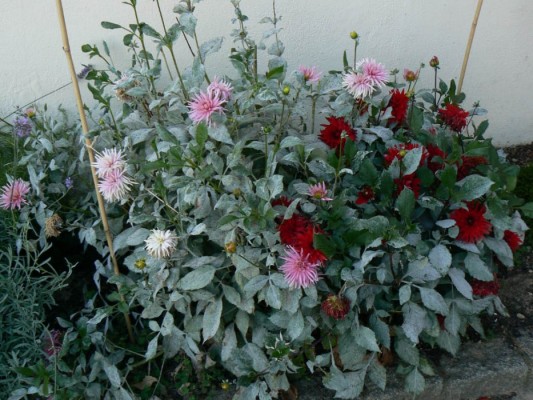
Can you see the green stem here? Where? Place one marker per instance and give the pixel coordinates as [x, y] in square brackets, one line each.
[141, 39]
[354, 53]
[166, 64]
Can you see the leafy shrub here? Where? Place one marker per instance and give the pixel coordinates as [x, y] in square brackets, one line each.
[251, 236]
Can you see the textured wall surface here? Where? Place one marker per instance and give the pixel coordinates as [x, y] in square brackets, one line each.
[398, 33]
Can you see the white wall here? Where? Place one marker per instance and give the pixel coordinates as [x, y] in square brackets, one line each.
[399, 33]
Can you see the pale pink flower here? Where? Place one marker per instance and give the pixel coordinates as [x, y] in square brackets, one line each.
[310, 74]
[319, 192]
[13, 194]
[299, 271]
[204, 105]
[358, 85]
[108, 161]
[374, 71]
[115, 185]
[161, 244]
[221, 88]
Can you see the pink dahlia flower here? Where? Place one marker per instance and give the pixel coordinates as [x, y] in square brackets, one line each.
[13, 194]
[115, 185]
[299, 271]
[358, 85]
[108, 161]
[221, 88]
[310, 74]
[319, 192]
[204, 105]
[374, 71]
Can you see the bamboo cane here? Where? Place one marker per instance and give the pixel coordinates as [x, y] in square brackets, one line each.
[469, 45]
[88, 146]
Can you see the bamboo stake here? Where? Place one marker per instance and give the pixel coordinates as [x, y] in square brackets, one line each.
[88, 146]
[469, 45]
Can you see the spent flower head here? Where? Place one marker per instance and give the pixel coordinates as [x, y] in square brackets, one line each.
[220, 87]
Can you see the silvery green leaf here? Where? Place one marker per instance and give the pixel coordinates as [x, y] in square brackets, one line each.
[273, 297]
[449, 342]
[430, 203]
[330, 83]
[137, 91]
[473, 187]
[259, 360]
[421, 271]
[121, 240]
[381, 329]
[47, 145]
[322, 170]
[296, 325]
[378, 374]
[500, 307]
[153, 325]
[121, 394]
[290, 210]
[152, 311]
[398, 242]
[211, 320]
[255, 284]
[477, 268]
[198, 229]
[383, 133]
[458, 278]
[414, 320]
[277, 382]
[197, 279]
[415, 382]
[452, 322]
[347, 385]
[405, 294]
[188, 23]
[405, 203]
[229, 343]
[501, 249]
[301, 188]
[112, 374]
[366, 338]
[276, 49]
[478, 111]
[350, 353]
[407, 352]
[219, 133]
[445, 223]
[137, 237]
[167, 325]
[471, 247]
[441, 258]
[100, 315]
[231, 295]
[290, 141]
[242, 320]
[433, 300]
[33, 179]
[152, 348]
[211, 46]
[411, 161]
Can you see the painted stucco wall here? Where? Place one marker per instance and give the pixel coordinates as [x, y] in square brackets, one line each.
[398, 33]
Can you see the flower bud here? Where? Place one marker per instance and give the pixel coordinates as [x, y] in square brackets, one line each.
[354, 35]
[286, 90]
[225, 385]
[140, 263]
[30, 112]
[237, 192]
[434, 62]
[409, 75]
[230, 247]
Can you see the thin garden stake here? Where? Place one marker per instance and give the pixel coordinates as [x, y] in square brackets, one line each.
[88, 146]
[469, 45]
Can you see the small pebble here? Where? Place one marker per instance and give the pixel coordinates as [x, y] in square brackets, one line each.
[520, 316]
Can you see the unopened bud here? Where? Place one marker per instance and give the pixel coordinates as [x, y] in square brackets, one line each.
[409, 75]
[354, 35]
[140, 263]
[286, 90]
[434, 62]
[237, 192]
[230, 247]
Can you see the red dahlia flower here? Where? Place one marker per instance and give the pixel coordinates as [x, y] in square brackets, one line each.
[336, 306]
[365, 195]
[281, 201]
[331, 133]
[454, 116]
[399, 103]
[299, 232]
[400, 152]
[483, 289]
[468, 163]
[471, 222]
[435, 152]
[410, 181]
[513, 239]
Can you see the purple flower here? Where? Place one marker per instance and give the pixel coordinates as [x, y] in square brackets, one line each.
[52, 342]
[69, 183]
[83, 73]
[22, 126]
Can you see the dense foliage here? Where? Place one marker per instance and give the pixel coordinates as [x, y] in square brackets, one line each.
[273, 222]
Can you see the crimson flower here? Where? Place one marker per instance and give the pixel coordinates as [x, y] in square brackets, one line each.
[399, 103]
[410, 181]
[400, 151]
[435, 152]
[299, 232]
[483, 289]
[281, 201]
[336, 307]
[468, 163]
[331, 133]
[471, 222]
[513, 239]
[454, 116]
[365, 195]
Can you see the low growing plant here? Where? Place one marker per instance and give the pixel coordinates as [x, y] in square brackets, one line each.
[279, 221]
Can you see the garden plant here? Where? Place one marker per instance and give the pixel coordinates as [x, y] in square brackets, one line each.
[272, 223]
